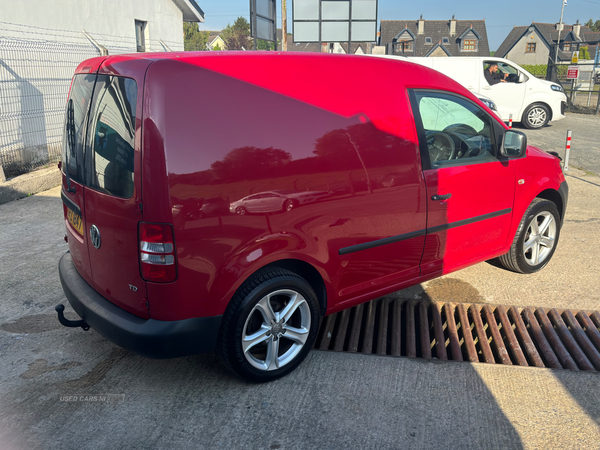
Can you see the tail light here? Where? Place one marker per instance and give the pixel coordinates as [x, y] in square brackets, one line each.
[157, 252]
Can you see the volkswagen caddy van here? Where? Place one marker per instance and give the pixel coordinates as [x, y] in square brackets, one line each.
[228, 201]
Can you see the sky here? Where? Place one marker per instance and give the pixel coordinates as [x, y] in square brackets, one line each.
[500, 16]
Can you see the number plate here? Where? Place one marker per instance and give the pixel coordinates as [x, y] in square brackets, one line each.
[75, 220]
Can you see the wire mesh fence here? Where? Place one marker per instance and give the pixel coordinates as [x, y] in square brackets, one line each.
[34, 83]
[36, 68]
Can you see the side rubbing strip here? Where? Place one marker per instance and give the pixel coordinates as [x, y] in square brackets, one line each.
[403, 237]
[460, 223]
[379, 242]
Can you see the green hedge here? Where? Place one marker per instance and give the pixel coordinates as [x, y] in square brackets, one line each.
[539, 70]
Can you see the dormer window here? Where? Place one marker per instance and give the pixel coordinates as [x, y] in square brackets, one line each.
[428, 40]
[567, 46]
[469, 44]
[445, 40]
[403, 42]
[404, 46]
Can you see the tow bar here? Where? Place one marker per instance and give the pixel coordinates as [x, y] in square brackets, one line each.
[70, 323]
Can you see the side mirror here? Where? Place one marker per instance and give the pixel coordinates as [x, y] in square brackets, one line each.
[523, 78]
[514, 144]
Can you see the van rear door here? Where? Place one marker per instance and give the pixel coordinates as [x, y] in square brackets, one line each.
[113, 192]
[73, 170]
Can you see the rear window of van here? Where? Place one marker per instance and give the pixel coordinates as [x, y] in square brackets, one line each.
[98, 146]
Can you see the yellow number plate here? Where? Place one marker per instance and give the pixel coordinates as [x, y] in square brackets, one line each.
[75, 221]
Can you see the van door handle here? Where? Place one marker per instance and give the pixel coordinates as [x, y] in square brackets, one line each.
[487, 88]
[436, 198]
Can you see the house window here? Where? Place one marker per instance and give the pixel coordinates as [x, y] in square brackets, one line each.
[140, 38]
[428, 40]
[531, 47]
[567, 46]
[445, 40]
[469, 44]
[404, 46]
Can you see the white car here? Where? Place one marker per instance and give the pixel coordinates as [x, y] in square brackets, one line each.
[275, 201]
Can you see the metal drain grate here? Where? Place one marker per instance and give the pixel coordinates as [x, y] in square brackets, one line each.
[463, 332]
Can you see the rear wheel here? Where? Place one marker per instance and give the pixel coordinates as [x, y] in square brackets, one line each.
[536, 116]
[536, 238]
[270, 325]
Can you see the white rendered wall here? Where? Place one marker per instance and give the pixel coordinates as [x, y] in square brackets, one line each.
[109, 22]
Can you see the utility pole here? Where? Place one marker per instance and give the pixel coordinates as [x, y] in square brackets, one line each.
[560, 25]
[283, 26]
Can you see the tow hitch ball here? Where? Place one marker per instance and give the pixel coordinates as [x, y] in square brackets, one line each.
[70, 323]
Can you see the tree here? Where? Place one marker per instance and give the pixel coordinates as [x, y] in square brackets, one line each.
[265, 45]
[193, 38]
[217, 48]
[237, 36]
[594, 26]
[584, 53]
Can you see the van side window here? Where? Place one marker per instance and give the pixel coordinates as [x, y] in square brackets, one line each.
[111, 136]
[74, 127]
[456, 131]
[504, 72]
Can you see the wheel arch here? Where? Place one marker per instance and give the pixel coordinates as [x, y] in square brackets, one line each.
[553, 196]
[309, 273]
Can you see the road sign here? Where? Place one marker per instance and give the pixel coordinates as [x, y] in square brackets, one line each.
[335, 20]
[572, 72]
[263, 14]
[575, 57]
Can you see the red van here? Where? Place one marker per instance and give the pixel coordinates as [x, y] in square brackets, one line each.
[228, 201]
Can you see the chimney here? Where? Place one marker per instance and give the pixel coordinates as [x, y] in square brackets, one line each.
[421, 25]
[452, 26]
[576, 29]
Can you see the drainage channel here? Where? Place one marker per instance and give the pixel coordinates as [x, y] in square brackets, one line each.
[559, 339]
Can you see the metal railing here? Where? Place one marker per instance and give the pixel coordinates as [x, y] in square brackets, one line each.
[583, 92]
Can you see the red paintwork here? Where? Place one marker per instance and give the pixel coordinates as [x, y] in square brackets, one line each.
[197, 110]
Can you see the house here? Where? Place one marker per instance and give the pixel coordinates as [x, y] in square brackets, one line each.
[434, 37]
[43, 43]
[215, 41]
[533, 44]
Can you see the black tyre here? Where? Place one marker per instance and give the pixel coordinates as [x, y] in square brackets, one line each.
[269, 326]
[240, 211]
[536, 116]
[536, 238]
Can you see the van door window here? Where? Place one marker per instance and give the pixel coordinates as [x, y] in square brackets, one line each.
[505, 72]
[111, 136]
[456, 131]
[74, 127]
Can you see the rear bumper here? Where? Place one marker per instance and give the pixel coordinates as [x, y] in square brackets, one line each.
[147, 337]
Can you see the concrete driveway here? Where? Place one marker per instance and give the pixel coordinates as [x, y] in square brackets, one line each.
[66, 388]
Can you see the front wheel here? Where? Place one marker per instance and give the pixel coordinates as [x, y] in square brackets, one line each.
[536, 116]
[270, 325]
[536, 238]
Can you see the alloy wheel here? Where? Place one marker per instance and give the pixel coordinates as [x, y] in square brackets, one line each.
[276, 330]
[539, 238]
[537, 117]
